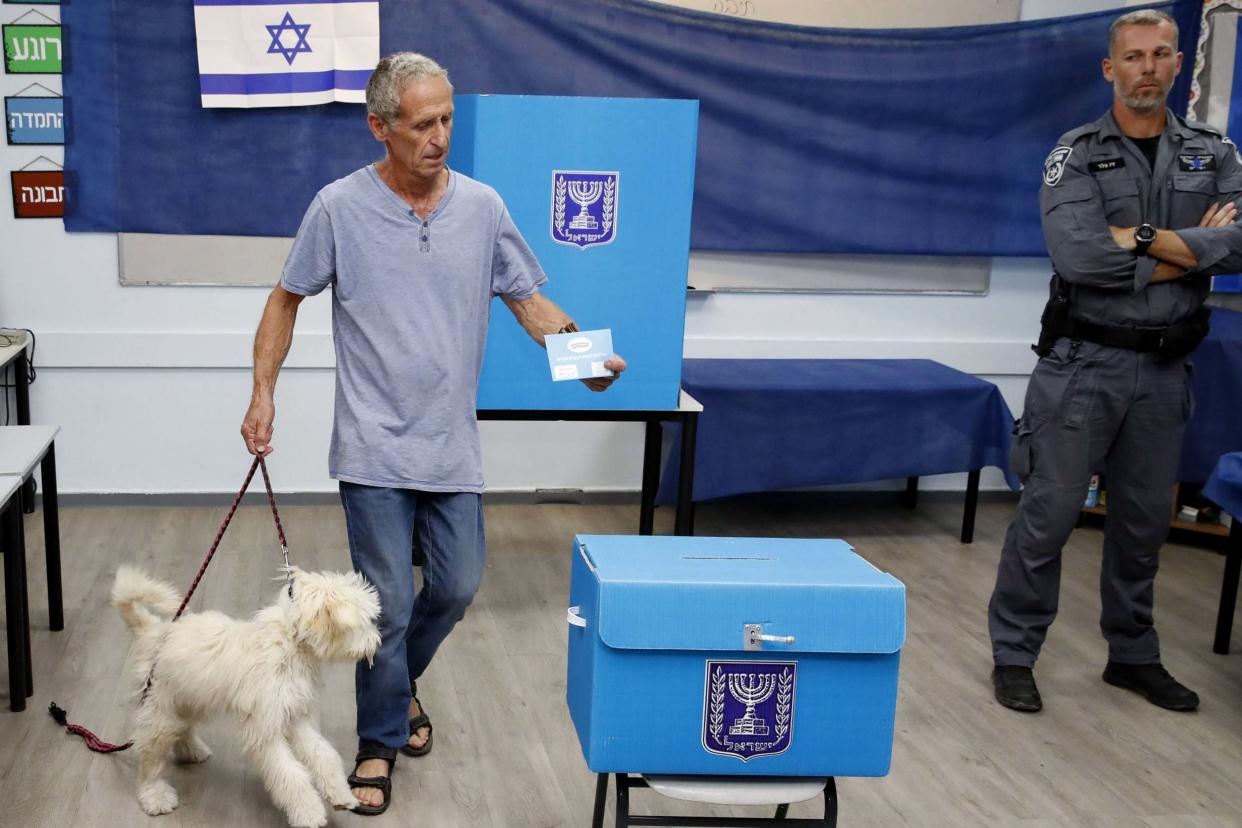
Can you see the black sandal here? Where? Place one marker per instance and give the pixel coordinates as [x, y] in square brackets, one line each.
[418, 721]
[381, 783]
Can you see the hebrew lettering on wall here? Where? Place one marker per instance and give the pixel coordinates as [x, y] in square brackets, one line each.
[38, 193]
[33, 49]
[34, 120]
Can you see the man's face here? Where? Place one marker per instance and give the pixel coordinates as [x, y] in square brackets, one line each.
[1142, 66]
[418, 141]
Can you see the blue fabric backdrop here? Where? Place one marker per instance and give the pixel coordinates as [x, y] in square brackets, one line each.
[813, 140]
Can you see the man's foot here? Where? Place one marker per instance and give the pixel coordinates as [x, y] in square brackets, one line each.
[419, 735]
[1152, 682]
[370, 782]
[1015, 688]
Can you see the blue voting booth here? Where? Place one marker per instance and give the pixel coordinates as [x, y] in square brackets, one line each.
[668, 675]
[601, 189]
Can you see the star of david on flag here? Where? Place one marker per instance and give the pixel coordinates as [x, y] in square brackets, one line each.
[263, 53]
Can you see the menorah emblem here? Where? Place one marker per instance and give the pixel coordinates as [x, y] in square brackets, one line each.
[748, 707]
[585, 193]
[595, 219]
[750, 689]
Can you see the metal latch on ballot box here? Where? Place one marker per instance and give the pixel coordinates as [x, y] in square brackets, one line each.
[753, 637]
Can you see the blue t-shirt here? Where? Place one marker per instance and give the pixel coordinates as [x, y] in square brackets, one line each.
[411, 298]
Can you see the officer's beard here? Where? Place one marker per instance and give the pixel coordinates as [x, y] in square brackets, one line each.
[1140, 103]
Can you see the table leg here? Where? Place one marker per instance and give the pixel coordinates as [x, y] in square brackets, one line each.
[51, 539]
[684, 522]
[10, 519]
[601, 798]
[25, 602]
[911, 498]
[830, 803]
[1229, 589]
[623, 800]
[653, 440]
[21, 381]
[972, 503]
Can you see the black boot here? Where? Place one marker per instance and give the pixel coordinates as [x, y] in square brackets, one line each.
[1153, 683]
[1015, 688]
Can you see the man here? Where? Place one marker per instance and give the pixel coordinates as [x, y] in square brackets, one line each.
[1138, 212]
[414, 252]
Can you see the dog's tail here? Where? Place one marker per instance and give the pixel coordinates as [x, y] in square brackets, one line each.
[136, 594]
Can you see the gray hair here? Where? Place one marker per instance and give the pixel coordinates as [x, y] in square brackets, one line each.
[1141, 17]
[390, 78]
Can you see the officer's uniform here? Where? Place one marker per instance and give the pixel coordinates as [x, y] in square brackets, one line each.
[1089, 403]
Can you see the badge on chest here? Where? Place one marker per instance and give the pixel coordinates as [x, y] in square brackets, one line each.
[1196, 163]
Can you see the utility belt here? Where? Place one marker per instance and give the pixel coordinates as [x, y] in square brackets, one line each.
[1174, 341]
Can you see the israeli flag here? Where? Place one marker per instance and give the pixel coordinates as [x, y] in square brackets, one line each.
[256, 53]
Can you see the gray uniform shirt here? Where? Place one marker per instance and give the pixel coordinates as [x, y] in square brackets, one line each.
[411, 298]
[1097, 177]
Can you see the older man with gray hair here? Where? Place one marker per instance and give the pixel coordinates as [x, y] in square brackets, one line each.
[414, 253]
[1139, 211]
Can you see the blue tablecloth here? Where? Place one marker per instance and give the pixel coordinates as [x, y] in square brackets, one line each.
[776, 424]
[1224, 487]
[1216, 427]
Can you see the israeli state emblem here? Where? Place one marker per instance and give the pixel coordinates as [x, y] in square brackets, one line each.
[748, 707]
[584, 207]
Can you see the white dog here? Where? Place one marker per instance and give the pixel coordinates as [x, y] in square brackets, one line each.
[262, 670]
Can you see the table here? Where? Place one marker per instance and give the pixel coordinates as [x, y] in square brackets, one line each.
[16, 612]
[1224, 488]
[720, 790]
[21, 448]
[685, 415]
[779, 424]
[13, 345]
[1215, 428]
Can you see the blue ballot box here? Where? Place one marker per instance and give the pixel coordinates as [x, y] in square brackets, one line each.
[601, 189]
[670, 671]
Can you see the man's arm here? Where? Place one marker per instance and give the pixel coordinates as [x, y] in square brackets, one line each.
[1076, 228]
[271, 346]
[1171, 249]
[539, 316]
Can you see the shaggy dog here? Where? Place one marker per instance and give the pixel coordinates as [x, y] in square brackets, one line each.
[263, 671]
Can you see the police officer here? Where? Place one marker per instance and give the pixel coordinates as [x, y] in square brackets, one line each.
[1138, 212]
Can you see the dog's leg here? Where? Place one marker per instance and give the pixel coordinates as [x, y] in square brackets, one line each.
[323, 762]
[287, 780]
[190, 749]
[153, 741]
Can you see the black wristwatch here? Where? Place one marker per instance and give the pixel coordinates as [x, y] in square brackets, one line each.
[1144, 235]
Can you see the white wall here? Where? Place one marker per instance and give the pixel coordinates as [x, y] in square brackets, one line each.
[149, 384]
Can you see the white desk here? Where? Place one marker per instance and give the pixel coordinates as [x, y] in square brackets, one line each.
[21, 448]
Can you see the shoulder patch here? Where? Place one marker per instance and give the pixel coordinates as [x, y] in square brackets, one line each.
[1054, 167]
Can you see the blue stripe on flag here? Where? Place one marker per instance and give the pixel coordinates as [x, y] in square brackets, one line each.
[284, 82]
[275, 2]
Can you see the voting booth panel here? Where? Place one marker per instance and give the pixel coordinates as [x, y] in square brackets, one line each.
[669, 673]
[601, 189]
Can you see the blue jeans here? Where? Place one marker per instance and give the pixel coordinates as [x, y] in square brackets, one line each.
[381, 523]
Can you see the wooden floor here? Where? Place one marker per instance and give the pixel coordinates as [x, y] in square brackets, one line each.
[505, 752]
